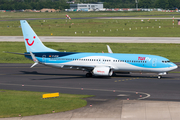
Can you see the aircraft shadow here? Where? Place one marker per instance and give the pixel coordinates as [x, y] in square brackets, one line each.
[78, 76]
[60, 76]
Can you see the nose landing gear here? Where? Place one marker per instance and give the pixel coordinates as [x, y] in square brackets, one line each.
[159, 76]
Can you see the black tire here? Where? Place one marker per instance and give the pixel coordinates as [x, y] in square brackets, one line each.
[159, 76]
[88, 74]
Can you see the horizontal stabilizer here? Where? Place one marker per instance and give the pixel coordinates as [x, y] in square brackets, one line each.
[16, 53]
[34, 59]
[34, 65]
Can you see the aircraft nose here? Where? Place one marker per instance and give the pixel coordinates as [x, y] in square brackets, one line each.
[173, 66]
[176, 66]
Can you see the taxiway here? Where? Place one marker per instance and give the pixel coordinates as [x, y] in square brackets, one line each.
[133, 86]
[121, 97]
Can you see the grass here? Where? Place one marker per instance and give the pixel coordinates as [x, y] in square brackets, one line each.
[170, 51]
[29, 103]
[174, 72]
[95, 27]
[24, 15]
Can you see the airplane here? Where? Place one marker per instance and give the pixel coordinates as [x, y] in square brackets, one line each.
[96, 64]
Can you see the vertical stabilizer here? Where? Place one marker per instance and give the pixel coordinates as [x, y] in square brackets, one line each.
[32, 41]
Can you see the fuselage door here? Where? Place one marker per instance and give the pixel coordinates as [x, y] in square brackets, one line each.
[44, 58]
[154, 62]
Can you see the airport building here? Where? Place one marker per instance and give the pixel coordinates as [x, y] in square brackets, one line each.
[86, 7]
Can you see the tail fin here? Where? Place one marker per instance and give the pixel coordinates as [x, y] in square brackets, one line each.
[32, 41]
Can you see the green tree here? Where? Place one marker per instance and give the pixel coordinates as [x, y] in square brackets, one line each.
[145, 3]
[162, 4]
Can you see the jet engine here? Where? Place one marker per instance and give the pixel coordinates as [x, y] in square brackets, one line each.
[102, 71]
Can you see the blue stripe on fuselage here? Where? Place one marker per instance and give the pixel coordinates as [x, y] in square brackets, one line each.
[47, 54]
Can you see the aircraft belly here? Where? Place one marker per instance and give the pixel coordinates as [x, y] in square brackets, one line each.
[132, 68]
[117, 67]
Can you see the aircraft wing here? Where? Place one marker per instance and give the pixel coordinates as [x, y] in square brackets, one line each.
[79, 67]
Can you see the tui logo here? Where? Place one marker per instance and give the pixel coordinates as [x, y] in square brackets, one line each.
[30, 44]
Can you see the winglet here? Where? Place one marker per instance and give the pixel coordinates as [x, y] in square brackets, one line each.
[109, 49]
[34, 59]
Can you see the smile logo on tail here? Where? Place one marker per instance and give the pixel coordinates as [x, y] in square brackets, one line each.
[30, 44]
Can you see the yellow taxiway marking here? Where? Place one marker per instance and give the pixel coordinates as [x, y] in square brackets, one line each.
[50, 95]
[74, 88]
[134, 78]
[143, 77]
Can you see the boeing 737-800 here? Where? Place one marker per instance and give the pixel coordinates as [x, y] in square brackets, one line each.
[96, 64]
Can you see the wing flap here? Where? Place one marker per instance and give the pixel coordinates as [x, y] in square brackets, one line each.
[78, 67]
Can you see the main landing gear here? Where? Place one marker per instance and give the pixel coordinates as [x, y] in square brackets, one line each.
[88, 74]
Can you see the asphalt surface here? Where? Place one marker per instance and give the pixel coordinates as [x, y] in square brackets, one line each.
[112, 17]
[121, 97]
[131, 86]
[96, 39]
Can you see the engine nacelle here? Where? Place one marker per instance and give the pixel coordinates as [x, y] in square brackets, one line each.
[102, 71]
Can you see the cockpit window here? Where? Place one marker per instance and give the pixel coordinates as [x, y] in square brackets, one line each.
[165, 61]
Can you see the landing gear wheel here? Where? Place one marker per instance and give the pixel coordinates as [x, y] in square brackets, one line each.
[88, 74]
[114, 74]
[159, 76]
